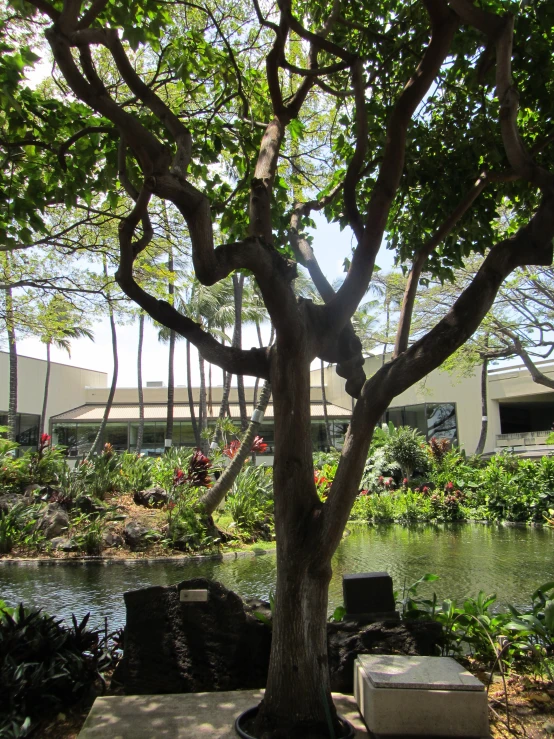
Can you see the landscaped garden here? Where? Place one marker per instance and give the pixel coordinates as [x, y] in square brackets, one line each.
[130, 506]
[112, 503]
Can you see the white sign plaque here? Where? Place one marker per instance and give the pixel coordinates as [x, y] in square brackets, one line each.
[193, 596]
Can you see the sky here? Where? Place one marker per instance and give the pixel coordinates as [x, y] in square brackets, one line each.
[331, 247]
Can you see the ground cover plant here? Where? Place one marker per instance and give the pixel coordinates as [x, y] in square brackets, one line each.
[47, 666]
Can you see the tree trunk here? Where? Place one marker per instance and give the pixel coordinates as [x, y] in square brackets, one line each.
[140, 431]
[324, 401]
[484, 415]
[46, 387]
[195, 430]
[224, 407]
[98, 440]
[298, 697]
[214, 495]
[168, 441]
[202, 406]
[238, 285]
[12, 348]
[210, 400]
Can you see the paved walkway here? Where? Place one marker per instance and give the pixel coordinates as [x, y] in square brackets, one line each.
[185, 716]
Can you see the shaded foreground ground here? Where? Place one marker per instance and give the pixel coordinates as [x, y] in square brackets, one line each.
[531, 711]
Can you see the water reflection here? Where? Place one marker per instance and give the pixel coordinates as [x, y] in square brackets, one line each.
[468, 558]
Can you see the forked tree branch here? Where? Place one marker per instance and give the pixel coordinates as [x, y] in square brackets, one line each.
[443, 27]
[532, 245]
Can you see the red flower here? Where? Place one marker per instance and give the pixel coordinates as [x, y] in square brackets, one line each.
[258, 445]
[232, 449]
[45, 439]
[197, 473]
[364, 492]
[387, 483]
[178, 477]
[449, 486]
[405, 481]
[381, 479]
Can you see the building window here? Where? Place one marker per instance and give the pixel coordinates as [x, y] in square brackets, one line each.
[26, 429]
[430, 419]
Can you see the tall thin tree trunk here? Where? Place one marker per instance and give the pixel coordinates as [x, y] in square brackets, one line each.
[484, 413]
[46, 388]
[324, 401]
[195, 430]
[168, 440]
[210, 400]
[214, 495]
[202, 406]
[140, 430]
[238, 287]
[98, 440]
[12, 348]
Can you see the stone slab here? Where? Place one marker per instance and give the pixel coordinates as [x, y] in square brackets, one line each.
[416, 673]
[186, 715]
[419, 712]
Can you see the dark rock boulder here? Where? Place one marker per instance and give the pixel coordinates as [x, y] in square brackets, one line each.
[112, 539]
[63, 544]
[54, 521]
[88, 505]
[346, 640]
[175, 647]
[135, 534]
[155, 497]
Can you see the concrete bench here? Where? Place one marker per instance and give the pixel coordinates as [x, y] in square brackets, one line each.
[419, 696]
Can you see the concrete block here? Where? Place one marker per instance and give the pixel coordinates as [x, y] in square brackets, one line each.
[419, 696]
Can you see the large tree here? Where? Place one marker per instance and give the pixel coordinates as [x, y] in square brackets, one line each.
[399, 118]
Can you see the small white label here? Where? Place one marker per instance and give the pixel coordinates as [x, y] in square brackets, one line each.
[258, 416]
[168, 443]
[193, 596]
[484, 418]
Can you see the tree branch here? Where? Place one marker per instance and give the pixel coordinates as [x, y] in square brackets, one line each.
[443, 27]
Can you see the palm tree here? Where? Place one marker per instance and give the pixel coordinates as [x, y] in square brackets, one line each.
[98, 439]
[58, 331]
[140, 430]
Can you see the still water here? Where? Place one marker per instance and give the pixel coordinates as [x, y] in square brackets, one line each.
[511, 562]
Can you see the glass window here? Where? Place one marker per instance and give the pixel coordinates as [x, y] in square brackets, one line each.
[414, 416]
[395, 416]
[28, 425]
[86, 434]
[116, 435]
[65, 434]
[441, 421]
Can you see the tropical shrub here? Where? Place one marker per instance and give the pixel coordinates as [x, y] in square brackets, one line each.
[250, 500]
[44, 667]
[406, 447]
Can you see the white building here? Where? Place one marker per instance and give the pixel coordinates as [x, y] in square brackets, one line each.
[520, 412]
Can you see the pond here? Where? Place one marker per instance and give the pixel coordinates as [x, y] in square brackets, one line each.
[510, 561]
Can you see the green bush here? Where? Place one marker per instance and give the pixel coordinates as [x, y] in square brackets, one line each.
[44, 667]
[250, 500]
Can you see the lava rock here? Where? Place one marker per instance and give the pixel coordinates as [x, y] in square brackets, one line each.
[155, 497]
[346, 640]
[174, 647]
[111, 539]
[63, 544]
[54, 521]
[87, 504]
[135, 534]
